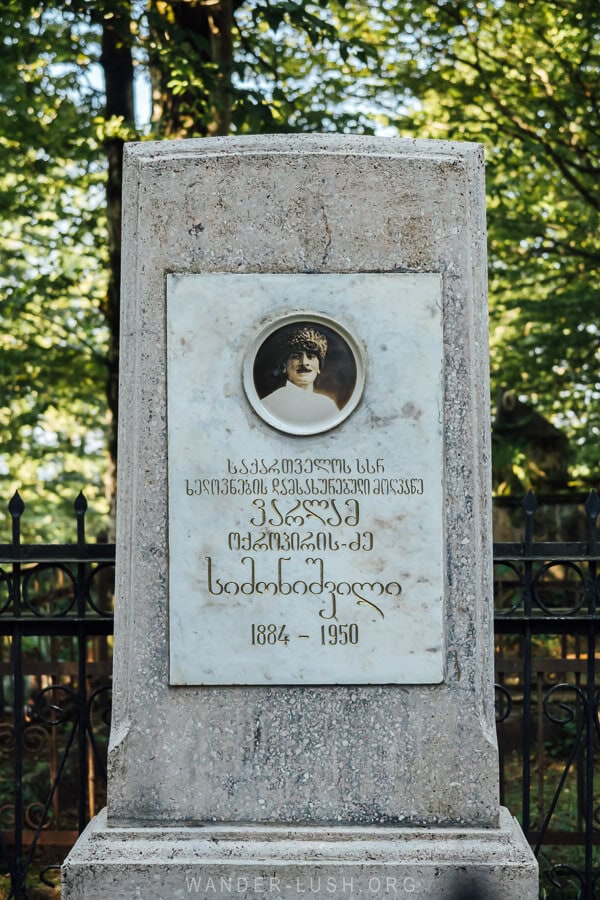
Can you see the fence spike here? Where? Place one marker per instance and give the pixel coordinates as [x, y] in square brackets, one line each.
[16, 505]
[81, 503]
[80, 506]
[529, 503]
[592, 505]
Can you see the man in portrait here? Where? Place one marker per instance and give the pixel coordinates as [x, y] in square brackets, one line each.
[301, 357]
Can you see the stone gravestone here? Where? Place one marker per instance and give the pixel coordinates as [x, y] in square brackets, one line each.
[303, 652]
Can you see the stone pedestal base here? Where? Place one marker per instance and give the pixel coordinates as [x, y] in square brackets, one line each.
[278, 863]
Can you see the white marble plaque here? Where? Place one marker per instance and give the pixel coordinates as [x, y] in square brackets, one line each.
[306, 538]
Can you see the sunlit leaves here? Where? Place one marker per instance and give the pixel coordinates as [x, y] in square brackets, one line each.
[52, 335]
[520, 76]
[523, 79]
[291, 66]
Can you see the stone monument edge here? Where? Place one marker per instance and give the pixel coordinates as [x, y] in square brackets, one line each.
[143, 859]
[328, 144]
[466, 167]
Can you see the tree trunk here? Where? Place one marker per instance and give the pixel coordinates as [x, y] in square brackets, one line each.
[193, 37]
[117, 64]
[221, 46]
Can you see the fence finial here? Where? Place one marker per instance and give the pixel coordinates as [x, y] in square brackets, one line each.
[16, 505]
[529, 506]
[80, 505]
[592, 505]
[592, 508]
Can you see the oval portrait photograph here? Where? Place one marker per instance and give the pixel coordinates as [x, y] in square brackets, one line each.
[304, 374]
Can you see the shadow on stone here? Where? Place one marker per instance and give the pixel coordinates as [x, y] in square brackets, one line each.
[469, 888]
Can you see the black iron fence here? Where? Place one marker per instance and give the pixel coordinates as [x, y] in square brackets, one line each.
[55, 663]
[546, 620]
[56, 629]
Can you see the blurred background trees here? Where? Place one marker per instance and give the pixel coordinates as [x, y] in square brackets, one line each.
[79, 77]
[522, 77]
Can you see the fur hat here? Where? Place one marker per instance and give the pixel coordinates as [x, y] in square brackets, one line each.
[303, 338]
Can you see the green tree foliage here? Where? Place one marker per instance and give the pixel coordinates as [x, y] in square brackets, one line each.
[260, 66]
[523, 77]
[66, 98]
[53, 337]
[519, 75]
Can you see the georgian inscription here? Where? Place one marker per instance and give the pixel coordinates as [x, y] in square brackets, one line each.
[288, 514]
[300, 525]
[303, 559]
[320, 484]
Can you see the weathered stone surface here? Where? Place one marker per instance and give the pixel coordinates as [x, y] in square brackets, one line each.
[345, 780]
[318, 204]
[277, 863]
